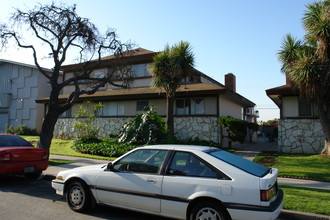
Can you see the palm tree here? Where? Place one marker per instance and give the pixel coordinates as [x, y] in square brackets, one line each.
[307, 62]
[169, 68]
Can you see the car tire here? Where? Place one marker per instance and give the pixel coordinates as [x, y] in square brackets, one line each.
[208, 210]
[35, 175]
[78, 196]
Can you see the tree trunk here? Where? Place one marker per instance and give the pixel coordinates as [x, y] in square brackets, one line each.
[46, 134]
[48, 125]
[170, 117]
[324, 112]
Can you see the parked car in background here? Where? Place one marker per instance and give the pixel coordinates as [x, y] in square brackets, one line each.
[18, 156]
[176, 181]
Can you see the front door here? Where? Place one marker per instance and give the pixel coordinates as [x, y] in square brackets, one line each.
[134, 182]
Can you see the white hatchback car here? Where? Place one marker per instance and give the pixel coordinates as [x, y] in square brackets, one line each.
[176, 181]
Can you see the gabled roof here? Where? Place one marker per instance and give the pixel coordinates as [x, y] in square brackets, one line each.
[135, 52]
[275, 94]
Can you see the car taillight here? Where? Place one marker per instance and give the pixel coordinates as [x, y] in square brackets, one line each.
[5, 157]
[44, 156]
[266, 195]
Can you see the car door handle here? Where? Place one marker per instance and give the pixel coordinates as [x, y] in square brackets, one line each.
[151, 180]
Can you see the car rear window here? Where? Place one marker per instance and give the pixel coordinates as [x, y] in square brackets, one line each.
[241, 163]
[13, 141]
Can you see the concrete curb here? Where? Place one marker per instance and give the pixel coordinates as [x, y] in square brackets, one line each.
[295, 215]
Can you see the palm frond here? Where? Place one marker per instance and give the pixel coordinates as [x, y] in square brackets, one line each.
[289, 51]
[171, 66]
[317, 19]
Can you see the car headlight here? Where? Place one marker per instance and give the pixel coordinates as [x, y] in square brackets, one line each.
[59, 178]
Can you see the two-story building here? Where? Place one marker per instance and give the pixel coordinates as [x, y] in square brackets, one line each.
[199, 101]
[20, 85]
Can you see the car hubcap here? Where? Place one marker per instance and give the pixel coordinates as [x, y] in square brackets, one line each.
[76, 196]
[208, 214]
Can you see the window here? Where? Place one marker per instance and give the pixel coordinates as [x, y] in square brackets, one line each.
[307, 109]
[140, 105]
[197, 106]
[183, 107]
[76, 74]
[66, 114]
[241, 163]
[113, 109]
[98, 74]
[194, 106]
[10, 141]
[140, 70]
[187, 164]
[142, 161]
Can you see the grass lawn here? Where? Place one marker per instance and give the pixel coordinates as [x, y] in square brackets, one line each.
[297, 165]
[63, 147]
[306, 200]
[54, 162]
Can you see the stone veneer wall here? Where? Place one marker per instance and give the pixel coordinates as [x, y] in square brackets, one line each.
[300, 136]
[64, 127]
[205, 128]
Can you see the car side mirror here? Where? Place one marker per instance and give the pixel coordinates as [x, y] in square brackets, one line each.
[109, 167]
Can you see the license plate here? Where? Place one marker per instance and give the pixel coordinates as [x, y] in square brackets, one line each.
[29, 169]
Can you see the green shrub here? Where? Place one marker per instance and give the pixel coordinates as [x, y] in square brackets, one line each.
[87, 113]
[108, 147]
[145, 128]
[236, 128]
[197, 141]
[190, 141]
[20, 130]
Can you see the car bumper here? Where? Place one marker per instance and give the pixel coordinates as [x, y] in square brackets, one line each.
[258, 212]
[58, 186]
[23, 167]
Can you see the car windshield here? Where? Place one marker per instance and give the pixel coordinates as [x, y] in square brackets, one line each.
[241, 163]
[13, 141]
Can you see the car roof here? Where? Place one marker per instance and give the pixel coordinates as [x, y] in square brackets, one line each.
[179, 147]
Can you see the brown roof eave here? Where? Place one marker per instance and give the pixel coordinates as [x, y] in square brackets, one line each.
[284, 90]
[190, 90]
[275, 94]
[143, 96]
[237, 98]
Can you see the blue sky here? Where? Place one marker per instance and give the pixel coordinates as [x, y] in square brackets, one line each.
[237, 36]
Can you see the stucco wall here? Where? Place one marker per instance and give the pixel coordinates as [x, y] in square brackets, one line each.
[228, 108]
[300, 136]
[205, 128]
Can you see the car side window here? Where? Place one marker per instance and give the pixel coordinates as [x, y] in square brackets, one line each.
[142, 161]
[187, 164]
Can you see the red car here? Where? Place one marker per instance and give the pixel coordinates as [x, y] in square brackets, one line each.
[18, 156]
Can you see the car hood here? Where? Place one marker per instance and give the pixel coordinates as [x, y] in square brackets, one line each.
[90, 167]
[84, 170]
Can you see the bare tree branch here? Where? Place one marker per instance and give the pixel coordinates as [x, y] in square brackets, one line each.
[63, 30]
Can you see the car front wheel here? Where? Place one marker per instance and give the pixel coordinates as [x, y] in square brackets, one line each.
[208, 211]
[78, 196]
